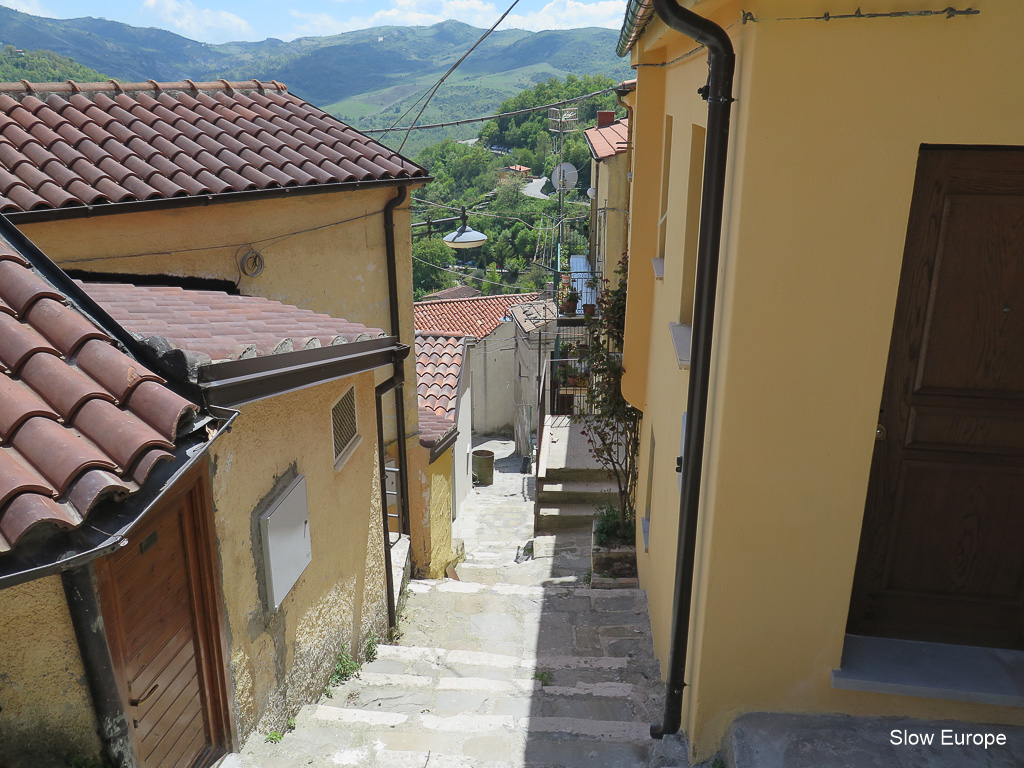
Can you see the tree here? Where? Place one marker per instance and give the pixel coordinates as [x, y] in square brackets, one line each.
[430, 259]
[612, 426]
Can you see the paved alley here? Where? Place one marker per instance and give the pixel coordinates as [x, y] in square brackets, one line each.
[517, 663]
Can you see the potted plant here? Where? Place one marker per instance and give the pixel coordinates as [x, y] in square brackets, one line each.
[613, 553]
[589, 310]
[570, 302]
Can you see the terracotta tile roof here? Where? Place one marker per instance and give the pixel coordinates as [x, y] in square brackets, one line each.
[70, 144]
[433, 427]
[608, 141]
[80, 421]
[439, 360]
[477, 316]
[438, 365]
[219, 326]
[458, 292]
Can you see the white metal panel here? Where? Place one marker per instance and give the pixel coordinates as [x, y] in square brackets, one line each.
[287, 549]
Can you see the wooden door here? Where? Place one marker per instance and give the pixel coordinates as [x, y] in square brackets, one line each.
[155, 608]
[942, 547]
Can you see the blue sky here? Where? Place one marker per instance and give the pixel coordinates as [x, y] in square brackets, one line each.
[217, 21]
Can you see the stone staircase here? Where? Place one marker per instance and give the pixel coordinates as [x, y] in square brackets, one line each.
[569, 482]
[516, 663]
[517, 703]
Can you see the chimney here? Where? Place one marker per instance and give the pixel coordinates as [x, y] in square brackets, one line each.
[605, 118]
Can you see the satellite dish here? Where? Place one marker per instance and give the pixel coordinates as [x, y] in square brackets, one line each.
[564, 177]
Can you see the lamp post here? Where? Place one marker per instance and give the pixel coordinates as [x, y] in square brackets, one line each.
[464, 236]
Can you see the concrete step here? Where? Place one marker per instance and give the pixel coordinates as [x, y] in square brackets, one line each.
[584, 474]
[556, 671]
[576, 492]
[526, 623]
[503, 739]
[553, 518]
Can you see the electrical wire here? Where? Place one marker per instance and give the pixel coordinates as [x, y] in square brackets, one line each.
[444, 77]
[266, 242]
[465, 276]
[468, 120]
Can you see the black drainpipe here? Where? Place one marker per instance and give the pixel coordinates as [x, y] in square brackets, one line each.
[380, 391]
[84, 607]
[718, 94]
[399, 367]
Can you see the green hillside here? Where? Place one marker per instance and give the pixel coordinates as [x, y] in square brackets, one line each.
[368, 77]
[42, 67]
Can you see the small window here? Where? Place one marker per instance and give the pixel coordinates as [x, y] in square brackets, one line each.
[666, 179]
[343, 420]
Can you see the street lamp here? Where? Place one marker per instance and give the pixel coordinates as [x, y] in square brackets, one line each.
[464, 236]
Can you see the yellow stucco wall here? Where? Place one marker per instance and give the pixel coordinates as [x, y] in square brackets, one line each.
[822, 165]
[611, 202]
[46, 715]
[441, 555]
[281, 660]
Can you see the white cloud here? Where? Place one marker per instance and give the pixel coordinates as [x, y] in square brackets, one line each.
[28, 6]
[195, 22]
[570, 14]
[557, 14]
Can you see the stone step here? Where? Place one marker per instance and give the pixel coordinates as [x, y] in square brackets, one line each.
[553, 518]
[452, 695]
[586, 474]
[576, 492]
[332, 738]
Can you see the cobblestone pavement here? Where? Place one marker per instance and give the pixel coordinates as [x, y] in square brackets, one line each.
[518, 663]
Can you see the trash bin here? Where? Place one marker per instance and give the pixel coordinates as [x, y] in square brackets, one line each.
[483, 467]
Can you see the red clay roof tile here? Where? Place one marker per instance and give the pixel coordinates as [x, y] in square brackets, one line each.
[439, 359]
[477, 316]
[608, 141]
[150, 134]
[69, 423]
[219, 325]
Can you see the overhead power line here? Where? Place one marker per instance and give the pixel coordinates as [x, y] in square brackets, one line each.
[469, 120]
[444, 77]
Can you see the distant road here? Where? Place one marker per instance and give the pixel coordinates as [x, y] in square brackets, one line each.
[533, 189]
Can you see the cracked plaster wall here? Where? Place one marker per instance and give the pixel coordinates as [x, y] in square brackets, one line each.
[281, 660]
[46, 716]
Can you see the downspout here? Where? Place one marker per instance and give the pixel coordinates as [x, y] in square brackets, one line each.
[380, 390]
[718, 94]
[399, 368]
[396, 382]
[82, 596]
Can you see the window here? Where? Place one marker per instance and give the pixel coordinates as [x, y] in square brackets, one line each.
[343, 422]
[694, 189]
[666, 177]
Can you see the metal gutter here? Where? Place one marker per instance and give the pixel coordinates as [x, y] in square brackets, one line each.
[399, 367]
[198, 201]
[108, 525]
[235, 382]
[446, 441]
[638, 13]
[718, 94]
[74, 293]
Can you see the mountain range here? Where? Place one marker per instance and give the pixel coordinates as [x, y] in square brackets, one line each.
[368, 78]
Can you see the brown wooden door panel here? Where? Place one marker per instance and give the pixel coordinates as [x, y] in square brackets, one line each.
[160, 608]
[940, 553]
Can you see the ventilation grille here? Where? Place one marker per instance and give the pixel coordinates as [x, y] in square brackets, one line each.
[343, 419]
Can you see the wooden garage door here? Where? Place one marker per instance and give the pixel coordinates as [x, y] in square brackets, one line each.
[154, 606]
[942, 547]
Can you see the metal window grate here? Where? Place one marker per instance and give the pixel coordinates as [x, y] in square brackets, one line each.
[343, 420]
